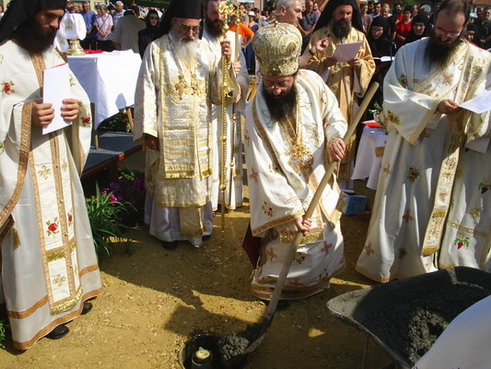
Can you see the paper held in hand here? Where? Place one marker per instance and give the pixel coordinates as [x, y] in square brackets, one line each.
[56, 87]
[346, 52]
[479, 104]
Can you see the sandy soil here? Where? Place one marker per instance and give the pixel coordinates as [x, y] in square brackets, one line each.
[154, 299]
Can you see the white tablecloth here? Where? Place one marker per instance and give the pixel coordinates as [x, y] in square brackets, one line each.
[109, 79]
[369, 156]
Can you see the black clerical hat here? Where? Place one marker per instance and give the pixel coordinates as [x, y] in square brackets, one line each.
[326, 15]
[181, 9]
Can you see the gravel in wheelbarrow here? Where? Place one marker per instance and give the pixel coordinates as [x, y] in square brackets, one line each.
[406, 316]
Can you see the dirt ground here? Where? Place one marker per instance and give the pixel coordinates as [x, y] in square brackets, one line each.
[154, 299]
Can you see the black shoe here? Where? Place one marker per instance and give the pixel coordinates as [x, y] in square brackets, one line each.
[169, 245]
[59, 331]
[87, 307]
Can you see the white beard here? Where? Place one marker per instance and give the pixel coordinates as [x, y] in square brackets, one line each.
[185, 50]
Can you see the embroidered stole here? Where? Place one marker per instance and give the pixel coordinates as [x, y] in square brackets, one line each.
[51, 177]
[464, 89]
[181, 144]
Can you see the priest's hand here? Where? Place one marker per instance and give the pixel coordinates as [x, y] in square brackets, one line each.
[152, 142]
[69, 109]
[42, 113]
[237, 66]
[337, 149]
[330, 61]
[226, 48]
[355, 62]
[448, 107]
[303, 224]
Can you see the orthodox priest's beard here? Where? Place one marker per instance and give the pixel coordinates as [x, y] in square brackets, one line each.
[341, 28]
[214, 28]
[186, 51]
[438, 52]
[283, 107]
[32, 37]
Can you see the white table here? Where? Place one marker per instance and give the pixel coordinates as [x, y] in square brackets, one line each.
[109, 79]
[369, 156]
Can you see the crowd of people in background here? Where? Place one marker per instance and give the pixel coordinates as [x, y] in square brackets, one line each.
[395, 25]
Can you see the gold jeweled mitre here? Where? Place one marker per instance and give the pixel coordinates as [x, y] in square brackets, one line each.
[277, 47]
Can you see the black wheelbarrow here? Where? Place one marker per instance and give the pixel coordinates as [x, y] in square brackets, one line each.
[406, 316]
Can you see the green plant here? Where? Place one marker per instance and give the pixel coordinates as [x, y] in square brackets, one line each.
[3, 327]
[105, 216]
[118, 123]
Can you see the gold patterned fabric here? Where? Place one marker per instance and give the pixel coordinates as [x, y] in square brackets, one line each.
[172, 103]
[277, 48]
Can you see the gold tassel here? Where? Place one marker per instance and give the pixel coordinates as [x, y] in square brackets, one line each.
[16, 237]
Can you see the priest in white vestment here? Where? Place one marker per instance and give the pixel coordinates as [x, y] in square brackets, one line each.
[293, 128]
[432, 207]
[340, 24]
[49, 266]
[178, 80]
[213, 35]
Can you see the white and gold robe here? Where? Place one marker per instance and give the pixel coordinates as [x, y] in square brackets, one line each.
[432, 209]
[284, 169]
[233, 154]
[172, 103]
[49, 265]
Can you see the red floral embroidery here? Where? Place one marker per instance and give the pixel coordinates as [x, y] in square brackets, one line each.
[86, 121]
[7, 87]
[52, 226]
[461, 242]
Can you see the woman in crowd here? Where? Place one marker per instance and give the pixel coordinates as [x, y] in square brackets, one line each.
[381, 46]
[103, 24]
[150, 33]
[403, 27]
[420, 28]
[248, 52]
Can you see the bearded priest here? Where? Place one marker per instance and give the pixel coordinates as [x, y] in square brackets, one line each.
[178, 78]
[293, 129]
[49, 265]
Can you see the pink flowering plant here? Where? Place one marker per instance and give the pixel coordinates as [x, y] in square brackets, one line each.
[106, 214]
[130, 188]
